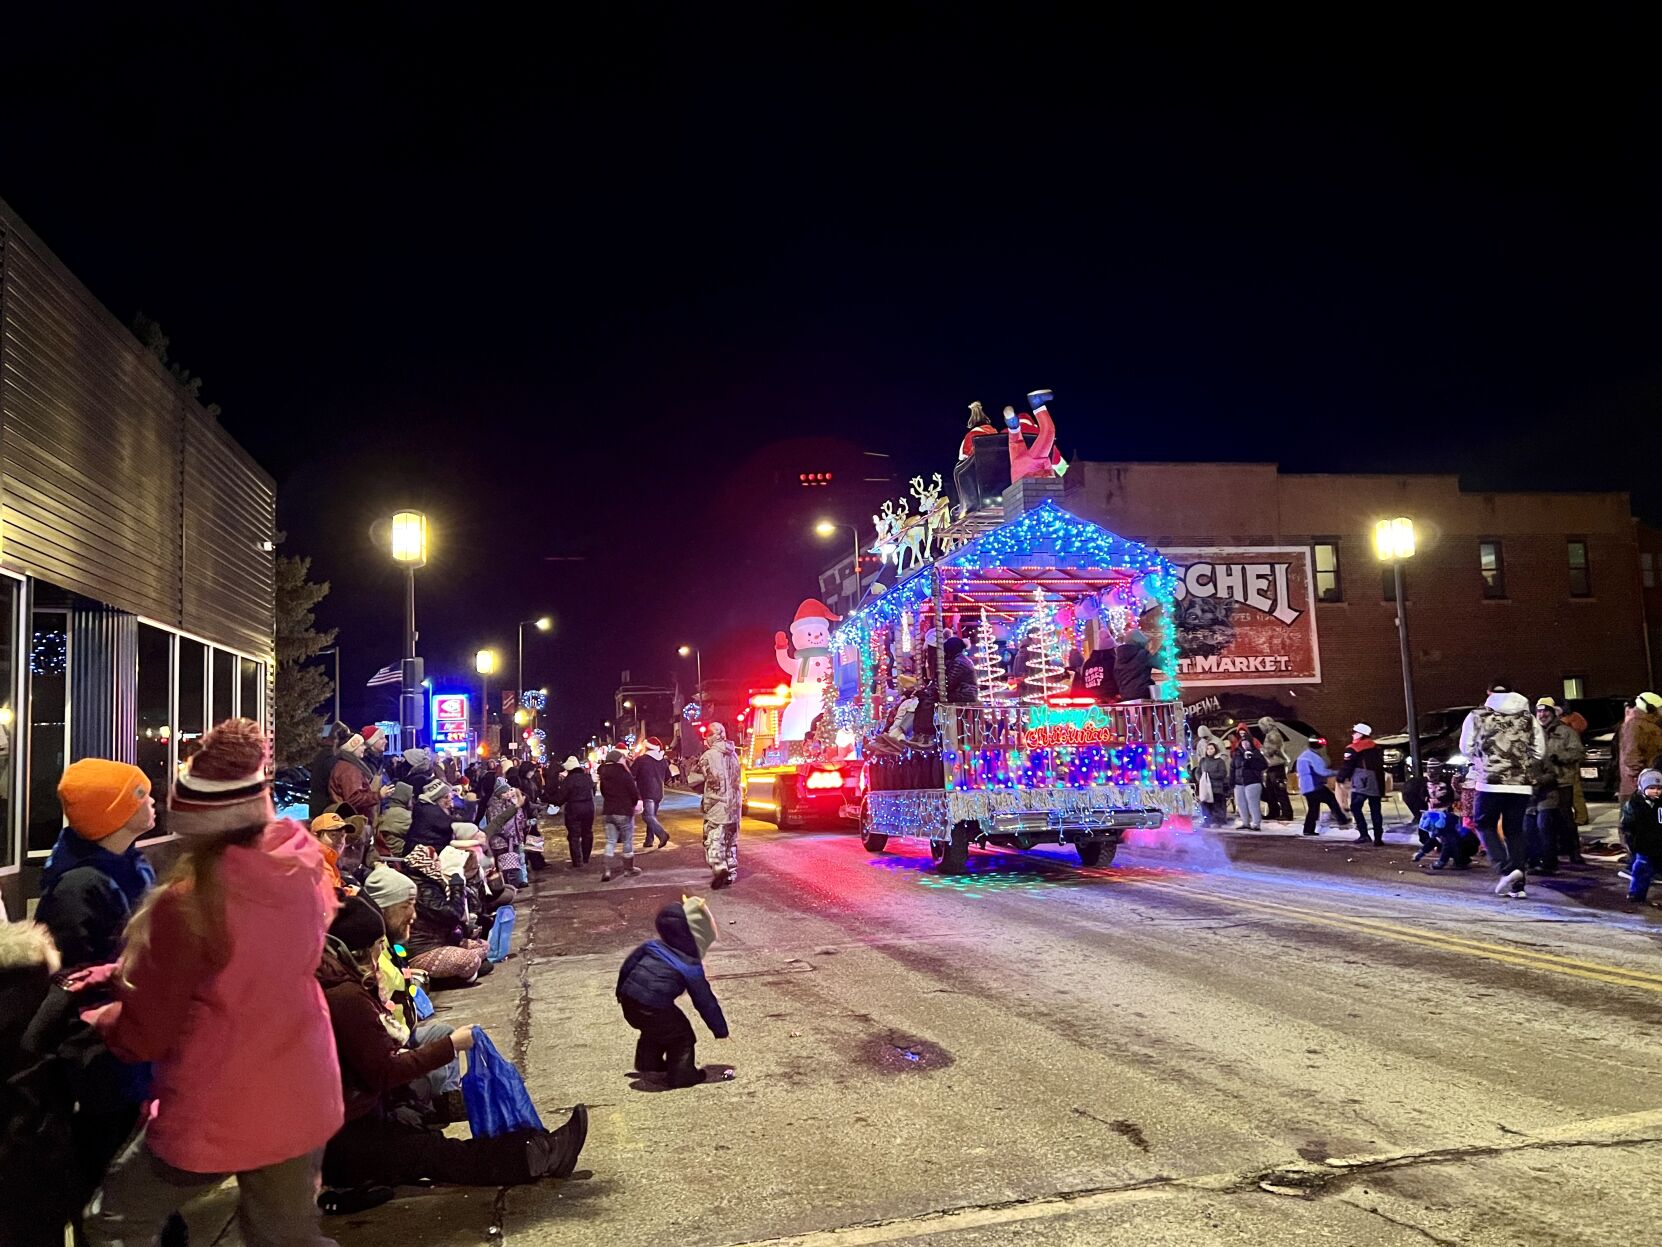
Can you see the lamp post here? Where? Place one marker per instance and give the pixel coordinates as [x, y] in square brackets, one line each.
[484, 662]
[698, 659]
[335, 650]
[828, 528]
[543, 624]
[1394, 543]
[409, 548]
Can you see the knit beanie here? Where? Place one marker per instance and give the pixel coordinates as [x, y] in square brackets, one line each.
[223, 788]
[436, 791]
[418, 759]
[358, 925]
[99, 796]
[1650, 779]
[701, 922]
[388, 887]
[571, 763]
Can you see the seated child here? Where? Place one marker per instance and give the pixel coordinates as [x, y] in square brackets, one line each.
[1642, 833]
[651, 979]
[1447, 810]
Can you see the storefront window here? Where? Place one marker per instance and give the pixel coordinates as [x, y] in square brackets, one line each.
[249, 678]
[155, 725]
[8, 717]
[48, 725]
[225, 686]
[193, 693]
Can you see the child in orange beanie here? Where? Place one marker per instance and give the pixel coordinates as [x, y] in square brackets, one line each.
[95, 878]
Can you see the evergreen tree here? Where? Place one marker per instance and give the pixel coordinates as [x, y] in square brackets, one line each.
[300, 689]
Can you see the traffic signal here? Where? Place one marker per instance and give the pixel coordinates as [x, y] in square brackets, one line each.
[813, 480]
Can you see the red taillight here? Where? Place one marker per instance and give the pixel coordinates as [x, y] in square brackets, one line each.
[825, 779]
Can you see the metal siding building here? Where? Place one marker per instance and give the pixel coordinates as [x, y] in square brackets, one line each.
[136, 566]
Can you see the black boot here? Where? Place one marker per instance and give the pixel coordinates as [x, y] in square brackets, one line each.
[553, 1154]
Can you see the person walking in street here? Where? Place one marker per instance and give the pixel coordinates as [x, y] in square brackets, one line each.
[717, 775]
[620, 798]
[219, 993]
[651, 772]
[1212, 785]
[1274, 745]
[654, 976]
[1502, 741]
[1640, 741]
[1363, 768]
[1641, 831]
[1556, 819]
[95, 878]
[1313, 774]
[1246, 776]
[576, 802]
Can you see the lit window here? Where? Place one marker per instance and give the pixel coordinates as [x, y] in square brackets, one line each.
[1492, 564]
[1575, 686]
[1581, 575]
[1328, 588]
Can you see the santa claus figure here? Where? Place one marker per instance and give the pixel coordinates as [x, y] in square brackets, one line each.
[806, 668]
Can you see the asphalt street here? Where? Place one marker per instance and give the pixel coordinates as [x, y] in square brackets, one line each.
[1219, 1039]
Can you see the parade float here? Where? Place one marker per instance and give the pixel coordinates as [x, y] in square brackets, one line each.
[1045, 751]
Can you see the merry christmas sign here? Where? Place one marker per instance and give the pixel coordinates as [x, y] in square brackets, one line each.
[1246, 615]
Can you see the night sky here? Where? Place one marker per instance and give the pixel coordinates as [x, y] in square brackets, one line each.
[593, 295]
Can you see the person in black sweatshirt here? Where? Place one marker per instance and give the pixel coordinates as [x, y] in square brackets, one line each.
[651, 980]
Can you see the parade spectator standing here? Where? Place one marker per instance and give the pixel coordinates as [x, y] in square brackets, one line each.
[1274, 745]
[717, 775]
[577, 808]
[1502, 741]
[1313, 774]
[620, 797]
[219, 993]
[1246, 776]
[323, 767]
[1363, 768]
[505, 829]
[94, 878]
[651, 772]
[355, 779]
[1212, 784]
[1642, 832]
[1556, 822]
[1641, 740]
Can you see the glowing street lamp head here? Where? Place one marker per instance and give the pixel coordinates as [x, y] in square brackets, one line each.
[484, 662]
[544, 624]
[825, 528]
[1394, 539]
[409, 538]
[522, 716]
[685, 651]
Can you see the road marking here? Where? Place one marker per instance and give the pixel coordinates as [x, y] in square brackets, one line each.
[1554, 963]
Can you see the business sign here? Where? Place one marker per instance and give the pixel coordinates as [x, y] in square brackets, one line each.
[1246, 615]
[450, 720]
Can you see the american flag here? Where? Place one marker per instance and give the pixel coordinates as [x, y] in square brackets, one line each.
[389, 674]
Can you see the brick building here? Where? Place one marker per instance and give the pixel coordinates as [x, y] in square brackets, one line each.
[1544, 590]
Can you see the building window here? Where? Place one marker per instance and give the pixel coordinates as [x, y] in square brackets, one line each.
[8, 718]
[1492, 564]
[1328, 586]
[48, 725]
[1388, 583]
[154, 714]
[193, 691]
[248, 695]
[224, 687]
[1647, 569]
[1581, 574]
[1575, 686]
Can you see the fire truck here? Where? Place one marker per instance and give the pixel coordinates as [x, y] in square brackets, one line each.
[782, 784]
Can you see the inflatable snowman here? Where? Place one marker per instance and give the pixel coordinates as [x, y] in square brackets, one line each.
[806, 668]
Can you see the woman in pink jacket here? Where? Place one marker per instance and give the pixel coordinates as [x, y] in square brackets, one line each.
[220, 994]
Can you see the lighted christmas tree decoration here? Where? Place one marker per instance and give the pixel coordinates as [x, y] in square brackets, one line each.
[1046, 665]
[990, 683]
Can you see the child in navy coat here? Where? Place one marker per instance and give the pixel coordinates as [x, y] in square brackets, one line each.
[655, 975]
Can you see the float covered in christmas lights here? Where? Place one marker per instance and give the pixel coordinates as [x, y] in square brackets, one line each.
[1037, 756]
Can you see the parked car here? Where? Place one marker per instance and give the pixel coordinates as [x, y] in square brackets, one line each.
[1439, 741]
[1600, 770]
[291, 792]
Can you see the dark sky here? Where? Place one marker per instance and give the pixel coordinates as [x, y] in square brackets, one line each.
[588, 291]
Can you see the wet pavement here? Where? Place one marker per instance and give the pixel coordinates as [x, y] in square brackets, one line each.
[1218, 1039]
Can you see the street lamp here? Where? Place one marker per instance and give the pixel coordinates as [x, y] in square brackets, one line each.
[409, 548]
[543, 624]
[1394, 543]
[697, 656]
[335, 650]
[484, 662]
[827, 529]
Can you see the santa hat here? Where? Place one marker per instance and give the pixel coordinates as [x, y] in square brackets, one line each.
[812, 608]
[223, 788]
[374, 738]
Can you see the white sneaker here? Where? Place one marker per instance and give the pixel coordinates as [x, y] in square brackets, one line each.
[1519, 895]
[1625, 874]
[1508, 882]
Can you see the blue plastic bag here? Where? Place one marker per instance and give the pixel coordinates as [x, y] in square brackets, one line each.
[494, 1092]
[502, 931]
[423, 1005]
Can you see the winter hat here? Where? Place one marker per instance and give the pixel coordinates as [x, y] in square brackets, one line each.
[1545, 703]
[614, 756]
[353, 745]
[700, 922]
[388, 887]
[224, 787]
[327, 822]
[717, 733]
[358, 925]
[1648, 701]
[418, 759]
[1361, 729]
[436, 791]
[571, 763]
[954, 646]
[1650, 779]
[99, 796]
[466, 834]
[402, 794]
